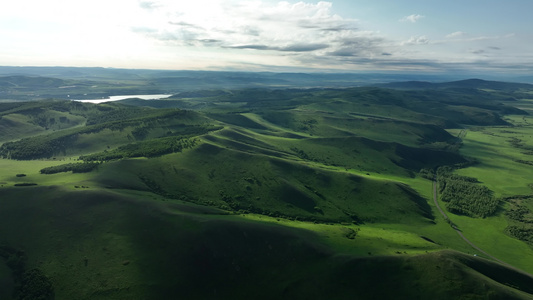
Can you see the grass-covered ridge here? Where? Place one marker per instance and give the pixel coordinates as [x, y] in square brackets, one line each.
[122, 234]
[291, 193]
[243, 182]
[113, 125]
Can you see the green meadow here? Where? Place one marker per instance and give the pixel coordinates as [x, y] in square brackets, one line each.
[31, 171]
[502, 167]
[290, 193]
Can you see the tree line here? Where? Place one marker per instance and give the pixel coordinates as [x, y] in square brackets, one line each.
[74, 167]
[520, 218]
[464, 195]
[149, 148]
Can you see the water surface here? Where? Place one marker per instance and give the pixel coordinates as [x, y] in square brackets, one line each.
[122, 97]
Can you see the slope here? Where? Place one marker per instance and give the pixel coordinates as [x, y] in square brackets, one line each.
[95, 244]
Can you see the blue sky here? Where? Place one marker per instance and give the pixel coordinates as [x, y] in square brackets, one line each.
[474, 36]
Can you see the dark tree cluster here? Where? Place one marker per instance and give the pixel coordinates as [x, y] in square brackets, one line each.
[150, 148]
[35, 285]
[519, 214]
[114, 114]
[463, 195]
[36, 147]
[30, 285]
[427, 173]
[522, 233]
[520, 218]
[25, 184]
[74, 167]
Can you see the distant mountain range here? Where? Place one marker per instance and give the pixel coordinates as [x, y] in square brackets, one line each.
[468, 83]
[208, 78]
[37, 83]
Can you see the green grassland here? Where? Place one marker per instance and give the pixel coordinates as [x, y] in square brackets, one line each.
[503, 155]
[10, 170]
[289, 193]
[106, 126]
[502, 167]
[103, 244]
[255, 183]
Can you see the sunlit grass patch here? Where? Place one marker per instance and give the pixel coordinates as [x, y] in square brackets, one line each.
[488, 234]
[361, 240]
[503, 166]
[9, 169]
[500, 167]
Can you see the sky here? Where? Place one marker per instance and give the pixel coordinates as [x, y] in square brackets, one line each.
[431, 36]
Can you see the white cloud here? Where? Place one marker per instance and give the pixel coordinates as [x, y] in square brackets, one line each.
[148, 4]
[416, 40]
[197, 34]
[462, 37]
[300, 31]
[249, 23]
[412, 18]
[456, 34]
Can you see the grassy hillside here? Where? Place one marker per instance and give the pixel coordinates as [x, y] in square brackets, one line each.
[238, 181]
[291, 193]
[105, 127]
[104, 245]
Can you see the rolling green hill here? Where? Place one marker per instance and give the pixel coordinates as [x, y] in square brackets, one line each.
[234, 180]
[104, 245]
[105, 127]
[268, 193]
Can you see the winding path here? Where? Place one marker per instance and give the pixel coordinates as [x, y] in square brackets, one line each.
[467, 240]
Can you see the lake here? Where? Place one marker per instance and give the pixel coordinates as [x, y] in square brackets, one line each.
[122, 97]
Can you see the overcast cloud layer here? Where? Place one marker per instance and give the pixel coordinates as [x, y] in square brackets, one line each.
[253, 35]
